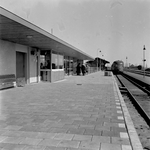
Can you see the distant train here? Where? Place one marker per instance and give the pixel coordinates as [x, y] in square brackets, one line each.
[117, 67]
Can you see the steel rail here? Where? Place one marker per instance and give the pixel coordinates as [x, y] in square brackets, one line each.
[147, 73]
[135, 103]
[136, 83]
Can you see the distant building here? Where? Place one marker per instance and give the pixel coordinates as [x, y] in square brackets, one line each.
[97, 62]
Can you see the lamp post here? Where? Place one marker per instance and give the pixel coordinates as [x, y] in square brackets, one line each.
[126, 62]
[101, 62]
[97, 58]
[144, 61]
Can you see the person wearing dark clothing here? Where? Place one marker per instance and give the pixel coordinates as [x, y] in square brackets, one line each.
[86, 68]
[78, 69]
[41, 66]
[48, 64]
[83, 69]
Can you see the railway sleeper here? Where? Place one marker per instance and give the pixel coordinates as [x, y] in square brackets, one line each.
[123, 90]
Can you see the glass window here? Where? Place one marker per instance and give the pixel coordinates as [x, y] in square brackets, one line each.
[61, 61]
[45, 60]
[54, 61]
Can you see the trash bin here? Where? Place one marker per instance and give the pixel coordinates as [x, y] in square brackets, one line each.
[20, 82]
[107, 73]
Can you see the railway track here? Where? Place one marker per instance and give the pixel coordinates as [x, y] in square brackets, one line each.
[136, 96]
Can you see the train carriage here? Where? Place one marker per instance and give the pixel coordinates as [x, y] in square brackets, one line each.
[117, 67]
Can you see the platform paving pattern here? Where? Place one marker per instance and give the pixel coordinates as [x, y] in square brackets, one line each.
[78, 113]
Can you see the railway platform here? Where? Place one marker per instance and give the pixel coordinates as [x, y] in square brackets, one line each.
[142, 78]
[77, 113]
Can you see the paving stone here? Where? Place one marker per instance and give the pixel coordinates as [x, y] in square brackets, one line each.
[117, 100]
[10, 146]
[121, 141]
[101, 139]
[7, 133]
[92, 132]
[108, 146]
[100, 116]
[118, 107]
[55, 148]
[30, 141]
[63, 136]
[58, 130]
[111, 133]
[119, 112]
[120, 118]
[78, 149]
[48, 129]
[92, 118]
[44, 135]
[80, 122]
[2, 138]
[12, 140]
[67, 144]
[18, 147]
[30, 128]
[82, 137]
[102, 128]
[14, 133]
[124, 135]
[76, 131]
[117, 120]
[70, 126]
[121, 125]
[90, 145]
[118, 129]
[2, 145]
[34, 148]
[98, 122]
[89, 126]
[126, 147]
[118, 104]
[49, 142]
[15, 127]
[66, 121]
[29, 134]
[110, 124]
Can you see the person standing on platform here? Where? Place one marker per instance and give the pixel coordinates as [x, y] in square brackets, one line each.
[78, 69]
[83, 69]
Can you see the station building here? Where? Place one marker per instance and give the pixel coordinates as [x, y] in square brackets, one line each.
[32, 54]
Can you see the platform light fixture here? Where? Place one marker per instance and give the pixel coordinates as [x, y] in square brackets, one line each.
[144, 61]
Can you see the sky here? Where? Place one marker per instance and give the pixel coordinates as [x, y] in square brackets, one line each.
[109, 29]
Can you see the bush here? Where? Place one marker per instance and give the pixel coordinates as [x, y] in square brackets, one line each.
[139, 67]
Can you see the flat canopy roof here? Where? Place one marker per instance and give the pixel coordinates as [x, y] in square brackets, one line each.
[17, 30]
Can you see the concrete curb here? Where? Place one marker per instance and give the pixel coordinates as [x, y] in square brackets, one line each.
[135, 141]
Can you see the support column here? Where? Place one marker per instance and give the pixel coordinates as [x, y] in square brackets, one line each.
[28, 65]
[38, 65]
[50, 65]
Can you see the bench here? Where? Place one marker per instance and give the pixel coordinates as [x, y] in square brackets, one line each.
[7, 81]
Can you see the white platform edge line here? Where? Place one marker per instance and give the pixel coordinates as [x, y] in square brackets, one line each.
[59, 81]
[135, 141]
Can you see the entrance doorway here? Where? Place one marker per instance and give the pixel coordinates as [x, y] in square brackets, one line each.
[20, 68]
[45, 65]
